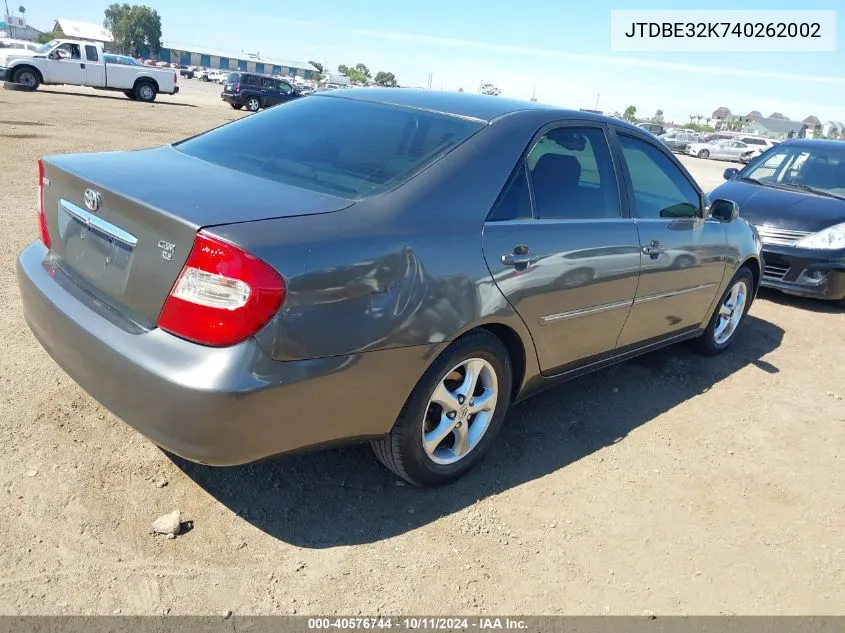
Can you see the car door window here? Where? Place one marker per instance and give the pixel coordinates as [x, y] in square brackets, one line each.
[284, 87]
[572, 175]
[660, 188]
[267, 82]
[91, 53]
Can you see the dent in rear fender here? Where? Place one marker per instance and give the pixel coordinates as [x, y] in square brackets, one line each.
[366, 294]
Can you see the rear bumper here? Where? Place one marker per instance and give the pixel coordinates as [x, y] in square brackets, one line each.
[232, 98]
[216, 406]
[5, 75]
[804, 273]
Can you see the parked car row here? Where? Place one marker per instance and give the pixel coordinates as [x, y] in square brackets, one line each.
[717, 145]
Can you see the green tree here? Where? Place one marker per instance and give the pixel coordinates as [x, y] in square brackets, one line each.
[133, 28]
[47, 37]
[385, 79]
[630, 114]
[358, 74]
[320, 70]
[658, 116]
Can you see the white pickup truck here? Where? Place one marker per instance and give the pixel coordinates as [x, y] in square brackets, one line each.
[82, 63]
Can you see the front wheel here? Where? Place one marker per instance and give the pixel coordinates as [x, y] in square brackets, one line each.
[453, 415]
[27, 78]
[704, 154]
[729, 314]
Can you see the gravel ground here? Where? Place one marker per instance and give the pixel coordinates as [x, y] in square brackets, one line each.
[671, 483]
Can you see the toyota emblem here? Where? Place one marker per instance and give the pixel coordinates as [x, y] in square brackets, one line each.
[93, 199]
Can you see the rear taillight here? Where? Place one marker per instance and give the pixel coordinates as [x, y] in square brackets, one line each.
[42, 216]
[223, 295]
[237, 87]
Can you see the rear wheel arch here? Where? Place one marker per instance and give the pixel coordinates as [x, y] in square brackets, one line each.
[516, 351]
[509, 337]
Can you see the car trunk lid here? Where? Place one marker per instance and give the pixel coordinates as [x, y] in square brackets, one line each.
[125, 222]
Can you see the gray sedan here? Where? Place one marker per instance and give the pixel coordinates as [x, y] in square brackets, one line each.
[395, 266]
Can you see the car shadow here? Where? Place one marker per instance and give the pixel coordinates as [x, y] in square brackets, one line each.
[813, 305]
[122, 97]
[345, 497]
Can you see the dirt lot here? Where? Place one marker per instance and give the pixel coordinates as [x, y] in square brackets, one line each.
[671, 483]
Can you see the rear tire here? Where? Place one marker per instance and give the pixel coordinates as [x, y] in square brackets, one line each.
[145, 91]
[704, 154]
[27, 78]
[445, 408]
[729, 314]
[130, 95]
[253, 104]
[236, 106]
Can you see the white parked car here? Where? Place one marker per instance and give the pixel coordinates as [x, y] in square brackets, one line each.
[727, 150]
[7, 42]
[218, 76]
[83, 63]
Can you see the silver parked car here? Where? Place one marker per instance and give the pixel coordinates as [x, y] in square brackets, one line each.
[376, 264]
[726, 150]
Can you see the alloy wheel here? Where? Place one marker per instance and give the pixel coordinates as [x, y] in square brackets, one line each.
[730, 313]
[459, 411]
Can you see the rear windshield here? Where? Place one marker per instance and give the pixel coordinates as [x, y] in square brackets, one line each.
[233, 78]
[338, 146]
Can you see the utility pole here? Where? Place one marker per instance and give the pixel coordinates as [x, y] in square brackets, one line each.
[430, 78]
[534, 94]
[597, 101]
[11, 28]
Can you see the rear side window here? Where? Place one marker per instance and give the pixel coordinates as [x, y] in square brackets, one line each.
[572, 175]
[249, 80]
[338, 146]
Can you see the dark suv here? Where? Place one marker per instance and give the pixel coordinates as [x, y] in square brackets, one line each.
[254, 91]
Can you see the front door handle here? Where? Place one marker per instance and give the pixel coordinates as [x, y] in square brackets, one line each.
[520, 259]
[82, 65]
[653, 249]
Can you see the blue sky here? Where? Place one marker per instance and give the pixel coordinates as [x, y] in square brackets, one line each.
[561, 49]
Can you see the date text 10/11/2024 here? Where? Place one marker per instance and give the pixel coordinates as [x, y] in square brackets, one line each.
[417, 624]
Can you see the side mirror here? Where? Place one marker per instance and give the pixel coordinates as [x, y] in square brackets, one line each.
[730, 172]
[724, 210]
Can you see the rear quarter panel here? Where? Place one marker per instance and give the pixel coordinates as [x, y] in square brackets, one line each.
[398, 269]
